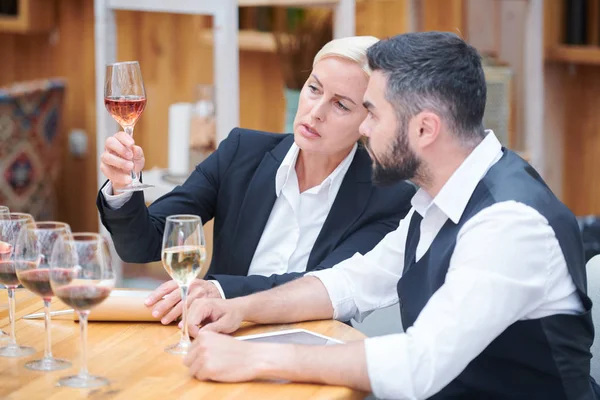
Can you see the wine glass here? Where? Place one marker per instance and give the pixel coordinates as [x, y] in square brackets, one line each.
[183, 256]
[125, 100]
[3, 211]
[81, 275]
[10, 227]
[32, 258]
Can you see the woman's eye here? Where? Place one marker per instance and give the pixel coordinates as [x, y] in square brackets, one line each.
[342, 106]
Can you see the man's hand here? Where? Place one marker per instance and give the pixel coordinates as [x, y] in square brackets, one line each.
[216, 315]
[222, 358]
[169, 308]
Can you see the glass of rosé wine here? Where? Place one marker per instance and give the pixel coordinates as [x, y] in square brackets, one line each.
[32, 261]
[125, 100]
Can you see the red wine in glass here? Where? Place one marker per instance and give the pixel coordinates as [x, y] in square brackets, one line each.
[81, 276]
[36, 280]
[8, 273]
[82, 298]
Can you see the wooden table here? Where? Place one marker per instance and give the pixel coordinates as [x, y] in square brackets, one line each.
[132, 357]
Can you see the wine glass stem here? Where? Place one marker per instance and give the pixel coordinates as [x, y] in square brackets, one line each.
[83, 322]
[48, 347]
[134, 178]
[11, 314]
[185, 336]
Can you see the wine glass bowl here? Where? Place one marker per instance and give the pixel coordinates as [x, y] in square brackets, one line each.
[10, 227]
[183, 257]
[81, 275]
[125, 101]
[33, 250]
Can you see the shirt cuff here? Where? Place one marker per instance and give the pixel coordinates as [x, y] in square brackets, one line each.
[218, 285]
[387, 374]
[339, 291]
[115, 201]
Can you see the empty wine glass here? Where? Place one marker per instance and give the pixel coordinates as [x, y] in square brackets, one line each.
[10, 227]
[82, 276]
[32, 258]
[183, 257]
[125, 100]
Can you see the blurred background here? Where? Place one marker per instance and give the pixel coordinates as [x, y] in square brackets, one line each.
[542, 62]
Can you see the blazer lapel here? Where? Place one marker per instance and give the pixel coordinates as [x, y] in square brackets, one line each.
[349, 203]
[256, 209]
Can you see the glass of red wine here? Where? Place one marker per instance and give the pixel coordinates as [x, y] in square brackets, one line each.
[10, 227]
[125, 100]
[32, 258]
[82, 276]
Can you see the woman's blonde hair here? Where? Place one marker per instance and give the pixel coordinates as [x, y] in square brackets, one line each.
[353, 48]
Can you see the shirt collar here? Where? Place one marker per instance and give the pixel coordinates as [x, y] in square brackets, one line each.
[287, 170]
[456, 192]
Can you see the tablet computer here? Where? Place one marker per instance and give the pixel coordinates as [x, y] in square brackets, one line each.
[292, 336]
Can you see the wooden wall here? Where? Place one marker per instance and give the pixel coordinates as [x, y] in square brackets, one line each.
[572, 104]
[67, 52]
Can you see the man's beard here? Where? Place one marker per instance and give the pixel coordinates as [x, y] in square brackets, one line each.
[398, 164]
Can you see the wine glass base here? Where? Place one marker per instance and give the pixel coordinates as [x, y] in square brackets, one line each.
[181, 348]
[135, 188]
[14, 350]
[48, 364]
[4, 335]
[83, 381]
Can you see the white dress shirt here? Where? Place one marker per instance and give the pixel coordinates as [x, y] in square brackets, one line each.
[295, 220]
[507, 266]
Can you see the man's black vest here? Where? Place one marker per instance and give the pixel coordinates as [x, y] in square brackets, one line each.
[546, 358]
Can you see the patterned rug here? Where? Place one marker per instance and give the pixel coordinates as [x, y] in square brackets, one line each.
[30, 147]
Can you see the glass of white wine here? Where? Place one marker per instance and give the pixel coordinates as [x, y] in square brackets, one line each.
[183, 257]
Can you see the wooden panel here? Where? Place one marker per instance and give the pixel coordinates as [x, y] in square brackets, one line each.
[28, 57]
[444, 15]
[553, 24]
[290, 3]
[581, 186]
[382, 18]
[593, 28]
[33, 16]
[173, 60]
[574, 54]
[511, 42]
[554, 126]
[483, 25]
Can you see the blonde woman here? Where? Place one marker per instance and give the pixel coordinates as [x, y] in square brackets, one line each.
[283, 204]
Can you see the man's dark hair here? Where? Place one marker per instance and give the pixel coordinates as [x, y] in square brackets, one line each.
[437, 71]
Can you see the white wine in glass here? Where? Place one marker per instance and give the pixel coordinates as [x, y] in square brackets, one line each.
[125, 100]
[183, 257]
